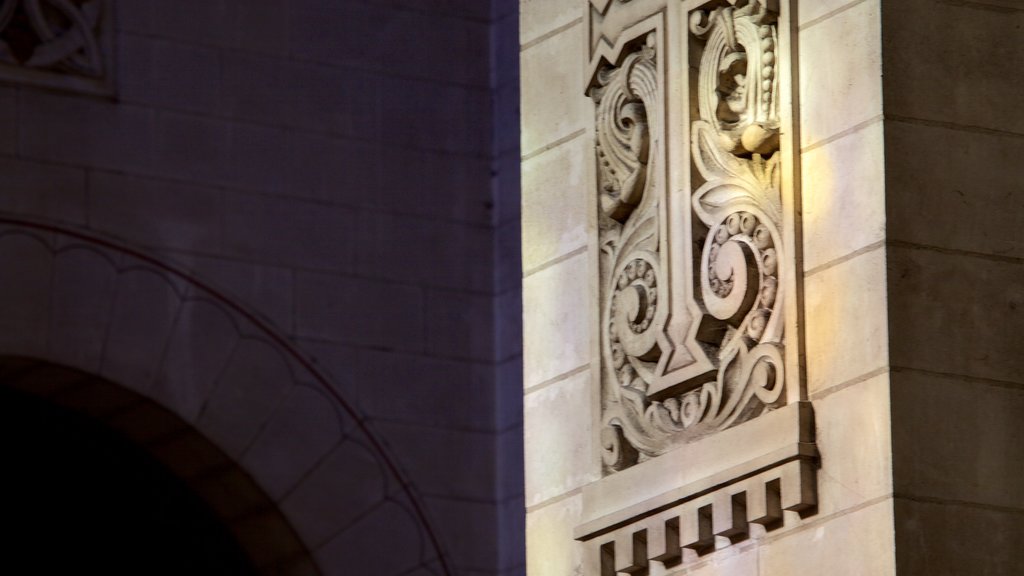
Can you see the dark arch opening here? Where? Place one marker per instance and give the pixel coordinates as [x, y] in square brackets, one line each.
[100, 479]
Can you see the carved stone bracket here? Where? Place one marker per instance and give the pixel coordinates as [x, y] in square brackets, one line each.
[63, 44]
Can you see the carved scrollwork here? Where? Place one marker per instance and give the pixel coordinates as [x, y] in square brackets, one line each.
[57, 35]
[737, 212]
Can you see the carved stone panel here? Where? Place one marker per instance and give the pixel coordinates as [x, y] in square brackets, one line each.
[697, 234]
[692, 331]
[61, 44]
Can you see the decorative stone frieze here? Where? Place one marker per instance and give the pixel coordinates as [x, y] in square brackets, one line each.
[697, 237]
[61, 44]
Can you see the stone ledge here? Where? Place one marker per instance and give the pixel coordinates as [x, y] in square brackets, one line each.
[721, 502]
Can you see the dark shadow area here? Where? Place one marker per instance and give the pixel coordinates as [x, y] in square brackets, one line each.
[81, 498]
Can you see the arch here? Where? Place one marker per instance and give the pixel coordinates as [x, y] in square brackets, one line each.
[137, 436]
[84, 302]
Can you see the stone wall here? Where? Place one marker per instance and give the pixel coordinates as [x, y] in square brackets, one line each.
[954, 208]
[346, 172]
[909, 296]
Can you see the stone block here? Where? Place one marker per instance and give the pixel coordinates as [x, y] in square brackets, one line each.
[460, 325]
[124, 206]
[506, 101]
[555, 69]
[540, 17]
[201, 343]
[428, 115]
[143, 316]
[847, 321]
[248, 391]
[256, 25]
[420, 390]
[469, 529]
[427, 252]
[556, 330]
[359, 311]
[81, 299]
[947, 63]
[8, 121]
[508, 253]
[168, 75]
[508, 321]
[555, 202]
[266, 291]
[844, 195]
[337, 101]
[279, 231]
[840, 73]
[26, 283]
[956, 439]
[299, 435]
[732, 561]
[418, 449]
[257, 160]
[467, 9]
[340, 489]
[512, 527]
[134, 17]
[948, 539]
[335, 170]
[334, 32]
[42, 190]
[507, 185]
[510, 452]
[956, 313]
[193, 21]
[93, 133]
[954, 189]
[509, 394]
[430, 184]
[550, 549]
[255, 87]
[855, 544]
[376, 537]
[854, 439]
[814, 11]
[192, 148]
[559, 454]
[420, 44]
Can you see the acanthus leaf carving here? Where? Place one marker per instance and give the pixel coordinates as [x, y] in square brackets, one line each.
[738, 212]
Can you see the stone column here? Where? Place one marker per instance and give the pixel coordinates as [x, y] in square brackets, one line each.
[773, 276]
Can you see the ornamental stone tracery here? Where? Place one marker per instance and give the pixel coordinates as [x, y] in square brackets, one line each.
[62, 44]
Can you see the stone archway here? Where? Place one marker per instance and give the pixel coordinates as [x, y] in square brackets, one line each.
[73, 299]
[120, 485]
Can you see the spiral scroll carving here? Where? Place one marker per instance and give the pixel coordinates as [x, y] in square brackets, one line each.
[737, 215]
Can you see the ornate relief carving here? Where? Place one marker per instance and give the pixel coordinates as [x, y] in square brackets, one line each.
[697, 206]
[56, 43]
[736, 220]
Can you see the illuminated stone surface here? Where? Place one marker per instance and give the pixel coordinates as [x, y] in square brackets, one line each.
[903, 293]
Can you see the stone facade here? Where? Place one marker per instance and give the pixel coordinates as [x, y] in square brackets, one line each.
[750, 328]
[290, 229]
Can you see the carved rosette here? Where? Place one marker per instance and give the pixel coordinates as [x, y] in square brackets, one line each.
[737, 222]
